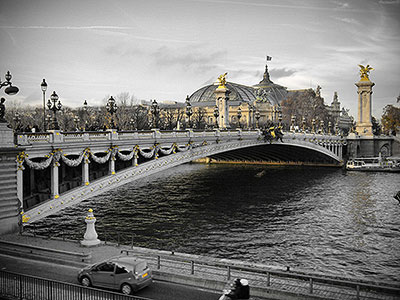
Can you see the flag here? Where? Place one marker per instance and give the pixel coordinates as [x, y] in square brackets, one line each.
[269, 58]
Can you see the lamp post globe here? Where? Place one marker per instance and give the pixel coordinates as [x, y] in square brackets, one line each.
[155, 110]
[43, 86]
[189, 110]
[54, 106]
[239, 115]
[216, 115]
[111, 107]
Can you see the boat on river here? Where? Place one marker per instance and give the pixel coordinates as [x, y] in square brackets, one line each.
[374, 164]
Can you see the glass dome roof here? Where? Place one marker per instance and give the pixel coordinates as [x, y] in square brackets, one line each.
[239, 92]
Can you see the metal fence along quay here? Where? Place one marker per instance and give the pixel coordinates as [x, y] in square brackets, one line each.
[24, 287]
[292, 282]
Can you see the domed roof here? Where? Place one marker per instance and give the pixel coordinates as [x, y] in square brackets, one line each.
[239, 92]
[267, 91]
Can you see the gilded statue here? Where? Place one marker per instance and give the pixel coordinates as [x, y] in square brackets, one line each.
[364, 71]
[222, 80]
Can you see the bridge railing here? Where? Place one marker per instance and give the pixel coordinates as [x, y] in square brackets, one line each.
[214, 269]
[19, 286]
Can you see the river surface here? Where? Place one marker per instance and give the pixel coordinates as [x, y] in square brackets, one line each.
[316, 219]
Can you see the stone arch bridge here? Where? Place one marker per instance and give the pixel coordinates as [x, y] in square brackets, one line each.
[108, 159]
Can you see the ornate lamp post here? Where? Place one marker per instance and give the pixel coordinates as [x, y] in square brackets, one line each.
[279, 116]
[322, 126]
[239, 115]
[293, 120]
[189, 110]
[132, 123]
[85, 115]
[155, 111]
[304, 124]
[76, 120]
[17, 121]
[329, 127]
[111, 107]
[216, 115]
[257, 115]
[251, 116]
[43, 86]
[10, 90]
[55, 106]
[313, 126]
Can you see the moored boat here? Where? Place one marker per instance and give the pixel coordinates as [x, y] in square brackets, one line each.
[374, 164]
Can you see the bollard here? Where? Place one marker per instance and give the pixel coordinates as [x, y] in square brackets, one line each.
[90, 237]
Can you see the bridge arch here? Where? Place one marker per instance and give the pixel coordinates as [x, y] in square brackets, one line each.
[217, 145]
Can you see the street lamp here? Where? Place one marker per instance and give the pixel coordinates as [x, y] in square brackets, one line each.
[43, 86]
[216, 115]
[293, 120]
[189, 110]
[85, 115]
[257, 116]
[55, 106]
[17, 121]
[304, 124]
[111, 107]
[76, 120]
[132, 123]
[279, 116]
[313, 126]
[322, 126]
[10, 90]
[155, 110]
[329, 127]
[239, 115]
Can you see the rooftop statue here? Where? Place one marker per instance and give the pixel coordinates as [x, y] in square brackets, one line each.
[222, 80]
[364, 72]
[318, 91]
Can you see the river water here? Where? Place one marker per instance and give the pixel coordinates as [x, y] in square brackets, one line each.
[315, 219]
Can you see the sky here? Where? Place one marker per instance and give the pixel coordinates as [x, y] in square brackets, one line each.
[165, 50]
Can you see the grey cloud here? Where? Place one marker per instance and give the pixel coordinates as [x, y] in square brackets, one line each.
[278, 73]
[186, 57]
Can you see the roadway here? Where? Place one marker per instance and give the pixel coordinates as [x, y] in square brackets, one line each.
[158, 290]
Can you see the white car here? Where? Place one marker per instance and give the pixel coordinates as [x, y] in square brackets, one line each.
[124, 273]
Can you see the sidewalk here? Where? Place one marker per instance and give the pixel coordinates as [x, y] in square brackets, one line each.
[211, 273]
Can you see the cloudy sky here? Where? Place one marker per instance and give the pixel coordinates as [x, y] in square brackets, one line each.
[165, 50]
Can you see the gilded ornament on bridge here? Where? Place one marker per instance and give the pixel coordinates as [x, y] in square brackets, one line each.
[364, 71]
[222, 80]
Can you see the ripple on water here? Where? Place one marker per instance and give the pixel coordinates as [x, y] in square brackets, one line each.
[323, 220]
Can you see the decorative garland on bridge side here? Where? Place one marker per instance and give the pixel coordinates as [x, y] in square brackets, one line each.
[112, 152]
[75, 162]
[100, 160]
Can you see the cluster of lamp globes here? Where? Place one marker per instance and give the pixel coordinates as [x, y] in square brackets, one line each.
[10, 89]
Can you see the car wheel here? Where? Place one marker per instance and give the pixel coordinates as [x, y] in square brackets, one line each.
[85, 281]
[126, 289]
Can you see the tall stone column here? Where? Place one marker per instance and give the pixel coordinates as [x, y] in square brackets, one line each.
[222, 98]
[85, 169]
[364, 123]
[54, 179]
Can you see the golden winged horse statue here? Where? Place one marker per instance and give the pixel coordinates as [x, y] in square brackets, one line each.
[364, 71]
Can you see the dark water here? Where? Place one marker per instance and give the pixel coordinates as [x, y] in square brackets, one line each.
[317, 219]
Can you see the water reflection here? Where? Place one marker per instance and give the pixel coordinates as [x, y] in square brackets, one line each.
[311, 218]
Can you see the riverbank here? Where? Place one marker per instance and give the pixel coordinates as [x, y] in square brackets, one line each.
[266, 282]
